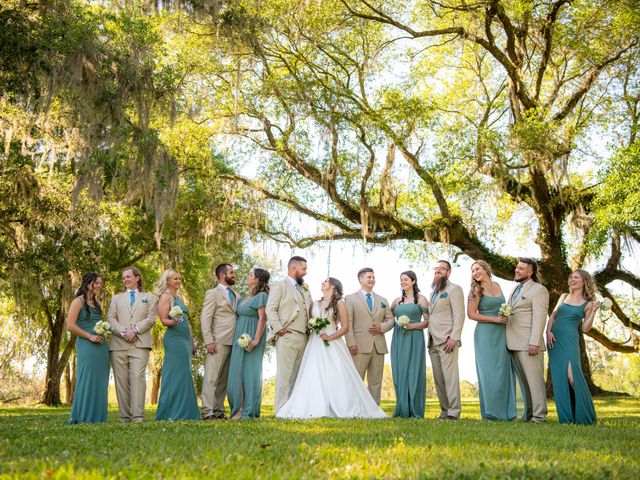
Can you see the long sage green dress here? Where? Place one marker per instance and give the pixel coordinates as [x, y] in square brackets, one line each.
[408, 364]
[496, 375]
[177, 393]
[244, 387]
[573, 405]
[90, 399]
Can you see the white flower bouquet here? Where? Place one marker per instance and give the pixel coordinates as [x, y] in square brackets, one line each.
[316, 325]
[176, 313]
[403, 321]
[505, 310]
[243, 341]
[103, 328]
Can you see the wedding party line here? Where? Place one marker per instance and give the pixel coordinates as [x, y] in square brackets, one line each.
[327, 349]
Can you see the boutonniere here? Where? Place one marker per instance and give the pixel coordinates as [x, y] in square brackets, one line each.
[145, 300]
[305, 287]
[383, 305]
[523, 297]
[444, 295]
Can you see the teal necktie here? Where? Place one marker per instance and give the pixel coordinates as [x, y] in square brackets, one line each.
[516, 292]
[369, 302]
[232, 296]
[132, 297]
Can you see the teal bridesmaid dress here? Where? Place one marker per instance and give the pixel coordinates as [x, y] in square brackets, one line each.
[496, 375]
[408, 364]
[90, 399]
[244, 388]
[177, 393]
[573, 405]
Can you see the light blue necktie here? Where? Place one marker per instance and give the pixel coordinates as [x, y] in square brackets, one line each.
[132, 297]
[232, 296]
[516, 292]
[369, 302]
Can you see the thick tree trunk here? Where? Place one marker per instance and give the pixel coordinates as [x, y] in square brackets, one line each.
[56, 362]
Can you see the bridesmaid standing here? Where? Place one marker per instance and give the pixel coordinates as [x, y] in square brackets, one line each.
[244, 390]
[496, 377]
[574, 311]
[177, 392]
[408, 359]
[90, 399]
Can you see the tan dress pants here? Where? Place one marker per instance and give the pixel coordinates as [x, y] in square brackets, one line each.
[371, 364]
[130, 375]
[531, 373]
[289, 351]
[447, 379]
[214, 382]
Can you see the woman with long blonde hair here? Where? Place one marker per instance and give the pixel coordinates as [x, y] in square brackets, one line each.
[496, 376]
[575, 310]
[177, 392]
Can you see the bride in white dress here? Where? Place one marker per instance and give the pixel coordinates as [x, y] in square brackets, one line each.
[328, 384]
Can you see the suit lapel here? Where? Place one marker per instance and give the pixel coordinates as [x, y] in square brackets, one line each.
[525, 289]
[136, 302]
[363, 302]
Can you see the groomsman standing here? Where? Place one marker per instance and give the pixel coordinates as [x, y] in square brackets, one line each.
[218, 321]
[529, 307]
[132, 314]
[446, 318]
[288, 309]
[369, 318]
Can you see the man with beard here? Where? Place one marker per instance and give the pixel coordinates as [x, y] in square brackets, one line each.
[529, 307]
[288, 309]
[446, 317]
[218, 321]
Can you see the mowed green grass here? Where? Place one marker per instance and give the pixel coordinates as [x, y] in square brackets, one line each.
[34, 443]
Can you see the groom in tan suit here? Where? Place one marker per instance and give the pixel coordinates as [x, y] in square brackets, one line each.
[369, 318]
[218, 322]
[446, 318]
[288, 309]
[529, 307]
[132, 314]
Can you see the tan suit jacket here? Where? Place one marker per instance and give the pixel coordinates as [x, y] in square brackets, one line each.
[284, 305]
[528, 318]
[361, 319]
[124, 316]
[446, 315]
[218, 318]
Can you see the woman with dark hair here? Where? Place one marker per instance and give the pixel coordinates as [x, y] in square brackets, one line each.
[496, 375]
[90, 399]
[328, 384]
[575, 311]
[408, 359]
[244, 386]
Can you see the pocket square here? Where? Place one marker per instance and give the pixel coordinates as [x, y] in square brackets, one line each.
[523, 297]
[383, 305]
[145, 300]
[443, 295]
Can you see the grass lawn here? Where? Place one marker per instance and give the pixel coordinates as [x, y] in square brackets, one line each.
[34, 443]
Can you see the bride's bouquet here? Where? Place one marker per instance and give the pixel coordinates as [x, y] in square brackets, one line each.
[103, 328]
[316, 324]
[176, 313]
[243, 341]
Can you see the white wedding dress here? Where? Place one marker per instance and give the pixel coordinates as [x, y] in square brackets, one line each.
[328, 384]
